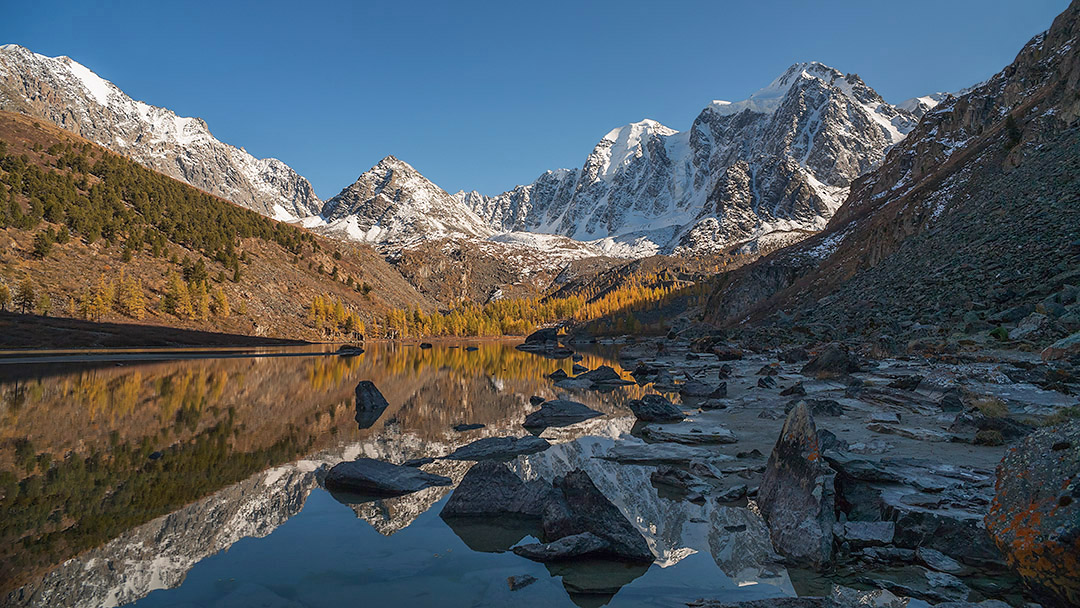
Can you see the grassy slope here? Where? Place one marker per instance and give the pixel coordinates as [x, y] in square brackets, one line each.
[275, 289]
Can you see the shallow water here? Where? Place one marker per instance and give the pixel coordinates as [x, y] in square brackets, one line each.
[193, 482]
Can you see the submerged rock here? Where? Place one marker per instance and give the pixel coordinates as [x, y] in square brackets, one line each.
[559, 412]
[655, 408]
[500, 448]
[370, 404]
[604, 375]
[796, 493]
[1035, 514]
[377, 478]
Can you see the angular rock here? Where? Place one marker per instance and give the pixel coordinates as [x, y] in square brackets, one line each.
[370, 404]
[377, 478]
[520, 581]
[1035, 514]
[796, 389]
[559, 412]
[796, 493]
[907, 383]
[558, 374]
[818, 407]
[866, 533]
[604, 375]
[833, 362]
[766, 382]
[536, 400]
[461, 428]
[500, 448]
[795, 355]
[725, 371]
[719, 392]
[578, 369]
[694, 388]
[689, 436]
[937, 560]
[491, 489]
[655, 408]
[1064, 348]
[541, 336]
[583, 508]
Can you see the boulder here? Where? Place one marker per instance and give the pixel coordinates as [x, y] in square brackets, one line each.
[795, 355]
[461, 428]
[796, 390]
[370, 404]
[655, 408]
[766, 382]
[536, 400]
[559, 412]
[582, 508]
[818, 407]
[833, 362]
[1034, 517]
[578, 369]
[694, 388]
[349, 351]
[604, 375]
[1064, 348]
[425, 345]
[377, 478]
[541, 336]
[866, 533]
[907, 383]
[491, 489]
[568, 547]
[500, 448]
[719, 392]
[796, 493]
[725, 371]
[558, 374]
[725, 352]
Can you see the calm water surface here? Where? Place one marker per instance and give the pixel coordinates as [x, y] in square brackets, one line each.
[194, 482]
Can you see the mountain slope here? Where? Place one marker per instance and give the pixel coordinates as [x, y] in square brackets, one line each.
[973, 219]
[103, 217]
[778, 162]
[67, 94]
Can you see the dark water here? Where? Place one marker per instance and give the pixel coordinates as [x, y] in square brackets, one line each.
[194, 483]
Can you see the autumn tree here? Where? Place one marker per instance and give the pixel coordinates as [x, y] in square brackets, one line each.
[5, 296]
[220, 304]
[24, 296]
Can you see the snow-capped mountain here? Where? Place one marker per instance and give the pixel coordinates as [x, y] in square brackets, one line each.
[393, 204]
[778, 162]
[66, 93]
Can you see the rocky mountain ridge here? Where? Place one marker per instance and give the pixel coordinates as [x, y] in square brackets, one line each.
[779, 162]
[68, 94]
[925, 242]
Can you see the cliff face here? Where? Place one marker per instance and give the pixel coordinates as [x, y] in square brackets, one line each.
[974, 211]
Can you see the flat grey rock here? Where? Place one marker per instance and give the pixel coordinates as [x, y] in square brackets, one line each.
[499, 448]
[559, 412]
[378, 478]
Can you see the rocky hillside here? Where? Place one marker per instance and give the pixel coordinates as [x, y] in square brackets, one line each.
[87, 223]
[973, 221]
[66, 93]
[778, 163]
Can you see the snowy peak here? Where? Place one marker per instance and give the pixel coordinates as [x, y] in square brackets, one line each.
[773, 167]
[768, 99]
[393, 205]
[70, 95]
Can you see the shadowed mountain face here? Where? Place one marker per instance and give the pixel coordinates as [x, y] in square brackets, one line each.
[932, 233]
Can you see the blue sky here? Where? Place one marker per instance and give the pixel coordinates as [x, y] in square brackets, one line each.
[487, 95]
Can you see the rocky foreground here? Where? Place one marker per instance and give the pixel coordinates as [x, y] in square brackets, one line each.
[905, 481]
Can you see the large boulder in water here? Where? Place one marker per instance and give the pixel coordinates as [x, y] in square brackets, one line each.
[1035, 515]
[655, 408]
[559, 412]
[491, 489]
[580, 507]
[833, 362]
[370, 404]
[372, 477]
[540, 336]
[796, 495]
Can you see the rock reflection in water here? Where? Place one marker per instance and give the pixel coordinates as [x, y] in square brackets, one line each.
[246, 407]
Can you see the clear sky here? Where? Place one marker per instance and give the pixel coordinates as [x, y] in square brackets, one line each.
[487, 95]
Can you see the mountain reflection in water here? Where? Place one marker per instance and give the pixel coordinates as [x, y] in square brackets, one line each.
[140, 476]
